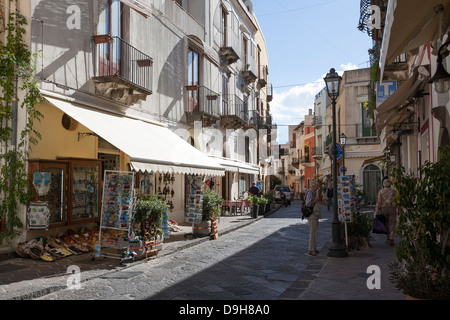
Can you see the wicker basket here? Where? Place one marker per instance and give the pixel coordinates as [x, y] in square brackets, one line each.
[20, 250]
[35, 252]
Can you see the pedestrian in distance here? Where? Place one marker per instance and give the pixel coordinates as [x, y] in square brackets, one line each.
[254, 190]
[329, 195]
[311, 200]
[387, 206]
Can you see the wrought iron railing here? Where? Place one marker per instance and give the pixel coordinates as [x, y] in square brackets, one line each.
[117, 58]
[232, 105]
[202, 99]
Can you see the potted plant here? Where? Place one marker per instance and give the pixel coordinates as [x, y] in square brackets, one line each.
[212, 207]
[148, 214]
[262, 202]
[358, 230]
[270, 196]
[255, 205]
[423, 267]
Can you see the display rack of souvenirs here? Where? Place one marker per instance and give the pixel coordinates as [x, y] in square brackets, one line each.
[116, 218]
[347, 198]
[165, 190]
[194, 199]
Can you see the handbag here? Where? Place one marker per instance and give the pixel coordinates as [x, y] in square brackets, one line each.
[379, 225]
[306, 211]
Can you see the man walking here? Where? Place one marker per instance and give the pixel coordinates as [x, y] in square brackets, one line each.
[313, 220]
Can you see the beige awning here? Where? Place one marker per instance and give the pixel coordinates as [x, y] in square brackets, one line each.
[151, 147]
[398, 101]
[237, 166]
[373, 159]
[411, 24]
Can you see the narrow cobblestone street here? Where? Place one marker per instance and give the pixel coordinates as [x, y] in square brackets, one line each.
[257, 262]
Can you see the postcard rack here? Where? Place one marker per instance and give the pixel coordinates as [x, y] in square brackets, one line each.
[116, 223]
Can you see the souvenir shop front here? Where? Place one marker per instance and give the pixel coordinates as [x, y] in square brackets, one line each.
[66, 169]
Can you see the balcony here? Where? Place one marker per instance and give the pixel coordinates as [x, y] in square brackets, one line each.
[263, 73]
[230, 44]
[203, 105]
[123, 74]
[266, 122]
[317, 122]
[317, 153]
[249, 73]
[270, 93]
[295, 163]
[305, 159]
[254, 120]
[234, 112]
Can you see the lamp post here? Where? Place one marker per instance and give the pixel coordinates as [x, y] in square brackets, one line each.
[343, 141]
[337, 250]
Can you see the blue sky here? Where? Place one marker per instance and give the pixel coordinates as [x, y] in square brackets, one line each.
[304, 40]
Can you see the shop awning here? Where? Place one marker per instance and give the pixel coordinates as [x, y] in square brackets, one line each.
[398, 101]
[237, 166]
[151, 147]
[411, 24]
[373, 159]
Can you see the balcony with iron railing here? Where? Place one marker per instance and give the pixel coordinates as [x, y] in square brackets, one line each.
[269, 92]
[317, 122]
[266, 122]
[263, 73]
[203, 104]
[255, 120]
[234, 113]
[123, 73]
[305, 159]
[229, 44]
[250, 70]
[317, 152]
[295, 162]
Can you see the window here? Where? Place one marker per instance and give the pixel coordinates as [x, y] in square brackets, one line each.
[224, 26]
[110, 19]
[224, 94]
[193, 81]
[245, 51]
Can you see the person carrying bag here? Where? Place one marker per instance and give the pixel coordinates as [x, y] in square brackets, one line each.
[312, 214]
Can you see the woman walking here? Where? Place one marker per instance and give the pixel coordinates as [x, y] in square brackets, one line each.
[387, 206]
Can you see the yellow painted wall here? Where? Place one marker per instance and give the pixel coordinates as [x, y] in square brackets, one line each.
[57, 141]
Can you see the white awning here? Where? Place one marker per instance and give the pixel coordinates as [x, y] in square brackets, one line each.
[151, 147]
[411, 24]
[141, 6]
[237, 166]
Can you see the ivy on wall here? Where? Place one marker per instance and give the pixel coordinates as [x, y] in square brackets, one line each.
[18, 89]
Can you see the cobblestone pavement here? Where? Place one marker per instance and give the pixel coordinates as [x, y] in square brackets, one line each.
[253, 259]
[257, 262]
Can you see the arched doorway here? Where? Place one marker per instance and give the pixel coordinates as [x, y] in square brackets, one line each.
[371, 183]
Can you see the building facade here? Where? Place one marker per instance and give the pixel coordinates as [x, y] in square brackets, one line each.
[165, 89]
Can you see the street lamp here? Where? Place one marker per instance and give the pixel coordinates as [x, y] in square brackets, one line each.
[337, 250]
[343, 142]
[441, 78]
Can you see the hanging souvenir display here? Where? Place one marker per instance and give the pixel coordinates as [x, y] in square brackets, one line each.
[194, 199]
[165, 189]
[346, 198]
[117, 209]
[38, 215]
[41, 182]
